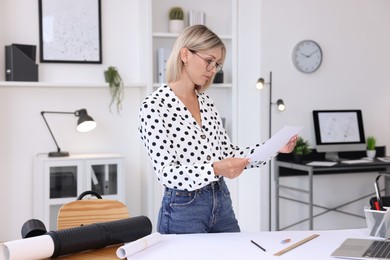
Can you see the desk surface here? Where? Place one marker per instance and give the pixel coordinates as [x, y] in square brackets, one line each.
[237, 246]
[294, 168]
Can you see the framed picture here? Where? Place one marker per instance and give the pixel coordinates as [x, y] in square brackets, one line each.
[70, 31]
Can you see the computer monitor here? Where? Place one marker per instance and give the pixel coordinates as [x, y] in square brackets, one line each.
[338, 131]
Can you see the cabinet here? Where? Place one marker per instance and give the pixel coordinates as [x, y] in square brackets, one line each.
[60, 180]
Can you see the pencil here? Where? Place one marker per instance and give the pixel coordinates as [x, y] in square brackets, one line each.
[262, 248]
[296, 245]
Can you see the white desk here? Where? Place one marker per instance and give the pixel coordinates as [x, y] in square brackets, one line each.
[238, 246]
[227, 246]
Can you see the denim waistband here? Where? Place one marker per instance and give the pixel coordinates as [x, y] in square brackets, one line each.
[211, 186]
[214, 185]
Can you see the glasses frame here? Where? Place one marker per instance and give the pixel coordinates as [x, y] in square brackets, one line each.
[211, 64]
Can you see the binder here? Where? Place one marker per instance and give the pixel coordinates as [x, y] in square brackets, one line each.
[162, 57]
[20, 63]
[195, 17]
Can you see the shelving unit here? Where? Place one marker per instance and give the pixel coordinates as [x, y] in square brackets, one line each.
[221, 17]
[60, 180]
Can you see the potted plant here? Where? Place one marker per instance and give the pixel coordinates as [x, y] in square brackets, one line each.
[176, 19]
[371, 143]
[115, 83]
[301, 149]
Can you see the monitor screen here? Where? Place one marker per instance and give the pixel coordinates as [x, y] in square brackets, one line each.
[338, 131]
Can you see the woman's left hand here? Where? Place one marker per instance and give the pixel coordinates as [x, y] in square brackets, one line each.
[289, 147]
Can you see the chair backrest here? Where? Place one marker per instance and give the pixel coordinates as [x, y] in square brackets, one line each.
[83, 212]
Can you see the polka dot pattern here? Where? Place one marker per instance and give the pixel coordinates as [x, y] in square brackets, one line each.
[182, 152]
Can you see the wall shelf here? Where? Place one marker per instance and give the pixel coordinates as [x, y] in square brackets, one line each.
[64, 85]
[175, 35]
[217, 85]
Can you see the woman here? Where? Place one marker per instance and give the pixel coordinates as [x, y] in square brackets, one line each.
[190, 150]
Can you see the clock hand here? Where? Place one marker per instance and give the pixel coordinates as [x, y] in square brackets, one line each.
[307, 56]
[312, 53]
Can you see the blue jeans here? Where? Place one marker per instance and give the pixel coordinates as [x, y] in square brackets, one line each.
[206, 210]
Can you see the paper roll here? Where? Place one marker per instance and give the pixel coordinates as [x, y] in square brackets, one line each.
[138, 245]
[40, 247]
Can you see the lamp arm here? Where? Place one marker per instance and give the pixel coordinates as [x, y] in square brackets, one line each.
[48, 127]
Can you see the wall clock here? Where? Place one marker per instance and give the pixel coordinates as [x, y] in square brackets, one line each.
[307, 56]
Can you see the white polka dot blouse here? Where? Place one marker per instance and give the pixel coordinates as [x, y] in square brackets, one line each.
[181, 151]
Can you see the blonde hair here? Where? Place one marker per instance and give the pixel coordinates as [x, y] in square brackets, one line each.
[196, 38]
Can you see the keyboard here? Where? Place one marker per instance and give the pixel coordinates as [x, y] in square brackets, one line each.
[378, 249]
[356, 161]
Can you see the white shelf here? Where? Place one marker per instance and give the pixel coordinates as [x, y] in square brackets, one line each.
[175, 35]
[80, 156]
[61, 201]
[217, 85]
[64, 85]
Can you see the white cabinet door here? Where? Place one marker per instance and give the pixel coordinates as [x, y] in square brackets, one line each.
[104, 176]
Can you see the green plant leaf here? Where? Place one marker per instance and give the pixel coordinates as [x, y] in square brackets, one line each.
[116, 87]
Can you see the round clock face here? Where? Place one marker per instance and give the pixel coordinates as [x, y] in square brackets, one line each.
[307, 56]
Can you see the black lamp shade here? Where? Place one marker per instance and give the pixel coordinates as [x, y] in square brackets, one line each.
[280, 105]
[85, 123]
[260, 83]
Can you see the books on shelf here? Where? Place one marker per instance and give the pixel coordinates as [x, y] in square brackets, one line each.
[195, 17]
[384, 159]
[162, 57]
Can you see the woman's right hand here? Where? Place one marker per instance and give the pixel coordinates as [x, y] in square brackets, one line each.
[230, 167]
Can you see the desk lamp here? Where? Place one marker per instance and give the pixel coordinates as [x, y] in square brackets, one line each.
[281, 107]
[85, 123]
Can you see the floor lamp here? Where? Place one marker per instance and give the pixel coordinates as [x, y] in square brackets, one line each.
[281, 107]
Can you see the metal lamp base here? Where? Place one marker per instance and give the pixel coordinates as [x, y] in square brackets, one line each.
[58, 154]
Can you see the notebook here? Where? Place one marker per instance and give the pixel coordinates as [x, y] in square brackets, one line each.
[355, 248]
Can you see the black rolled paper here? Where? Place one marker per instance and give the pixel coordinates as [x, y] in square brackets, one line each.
[99, 235]
[33, 228]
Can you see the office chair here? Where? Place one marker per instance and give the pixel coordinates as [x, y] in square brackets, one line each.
[88, 211]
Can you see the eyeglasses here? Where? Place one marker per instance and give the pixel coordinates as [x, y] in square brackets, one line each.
[211, 64]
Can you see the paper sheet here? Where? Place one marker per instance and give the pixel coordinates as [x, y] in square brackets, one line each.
[138, 245]
[273, 145]
[39, 247]
[321, 163]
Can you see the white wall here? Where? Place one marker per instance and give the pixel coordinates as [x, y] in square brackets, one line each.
[23, 133]
[351, 33]
[354, 72]
[120, 41]
[252, 184]
[354, 38]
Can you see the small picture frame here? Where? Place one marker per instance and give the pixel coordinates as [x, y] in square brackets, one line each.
[70, 31]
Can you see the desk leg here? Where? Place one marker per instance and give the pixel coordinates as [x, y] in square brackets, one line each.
[310, 198]
[277, 198]
[387, 181]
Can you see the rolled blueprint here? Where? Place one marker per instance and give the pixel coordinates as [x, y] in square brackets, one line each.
[138, 245]
[77, 239]
[40, 247]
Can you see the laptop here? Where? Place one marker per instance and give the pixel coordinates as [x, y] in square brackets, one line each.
[356, 248]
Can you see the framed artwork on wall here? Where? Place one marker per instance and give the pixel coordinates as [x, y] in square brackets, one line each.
[70, 31]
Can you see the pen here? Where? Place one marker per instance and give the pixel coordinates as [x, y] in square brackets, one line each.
[378, 204]
[262, 248]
